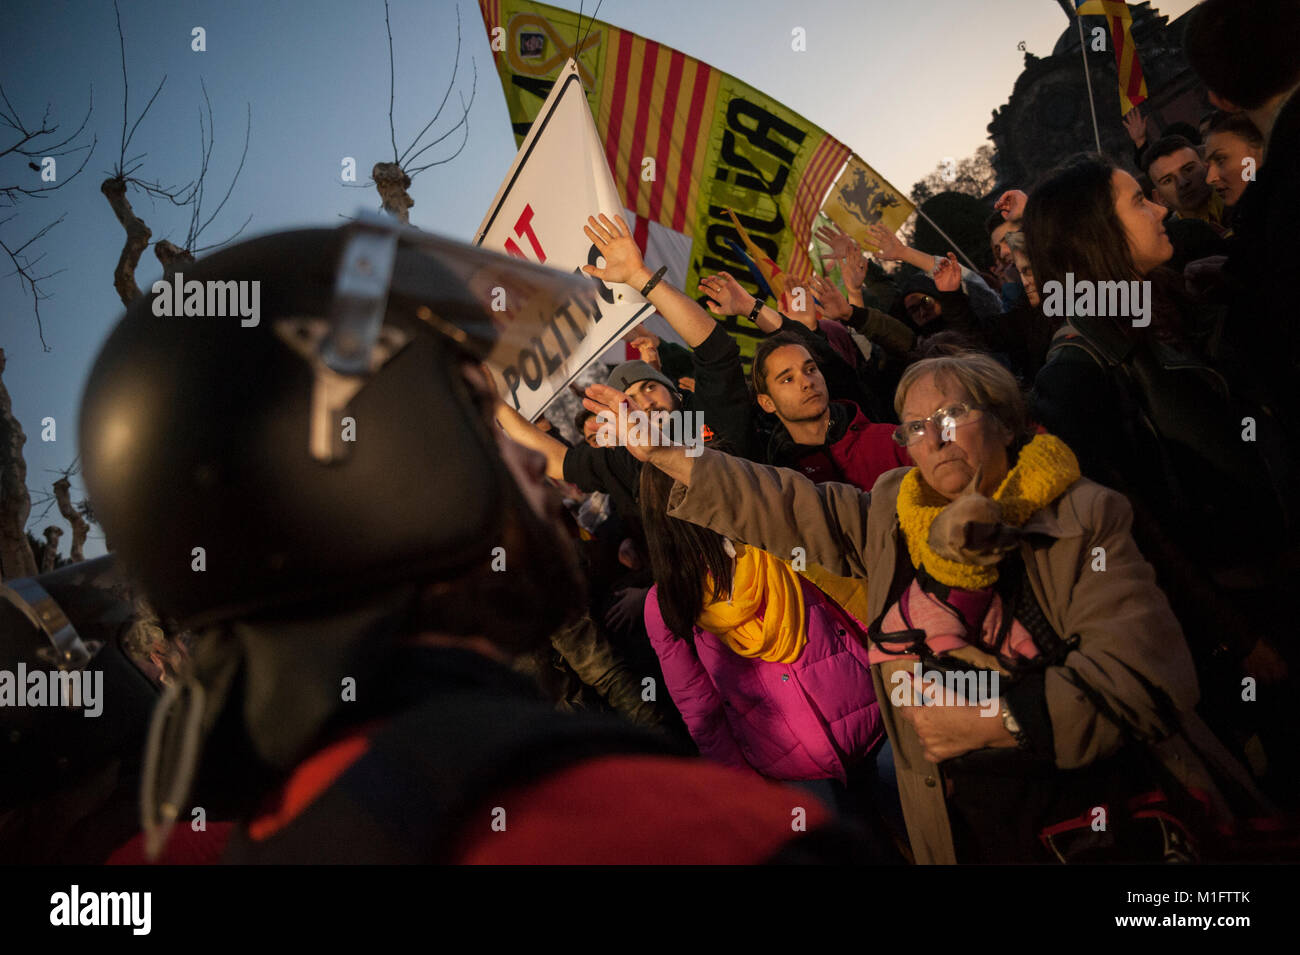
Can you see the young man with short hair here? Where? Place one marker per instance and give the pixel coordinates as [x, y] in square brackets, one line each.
[1176, 169]
[822, 439]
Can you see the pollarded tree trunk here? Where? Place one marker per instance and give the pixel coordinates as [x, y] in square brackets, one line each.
[392, 183]
[172, 257]
[16, 558]
[137, 239]
[51, 553]
[80, 528]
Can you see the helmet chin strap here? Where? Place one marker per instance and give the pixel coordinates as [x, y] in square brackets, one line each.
[303, 673]
[292, 689]
[180, 721]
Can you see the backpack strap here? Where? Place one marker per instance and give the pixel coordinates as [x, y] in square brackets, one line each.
[1068, 337]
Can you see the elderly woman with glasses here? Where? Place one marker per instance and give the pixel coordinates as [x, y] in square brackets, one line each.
[1038, 630]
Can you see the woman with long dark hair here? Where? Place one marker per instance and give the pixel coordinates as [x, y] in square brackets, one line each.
[768, 672]
[1149, 411]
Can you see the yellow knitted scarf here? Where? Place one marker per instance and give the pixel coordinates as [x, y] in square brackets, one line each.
[1045, 469]
[765, 616]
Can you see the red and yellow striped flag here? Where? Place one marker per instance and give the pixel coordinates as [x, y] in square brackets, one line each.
[1132, 84]
[684, 141]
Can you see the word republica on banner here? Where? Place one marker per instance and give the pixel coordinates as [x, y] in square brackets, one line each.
[745, 175]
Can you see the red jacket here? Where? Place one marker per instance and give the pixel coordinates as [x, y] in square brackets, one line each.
[856, 450]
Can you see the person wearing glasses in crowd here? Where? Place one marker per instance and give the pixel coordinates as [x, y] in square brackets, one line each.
[1073, 645]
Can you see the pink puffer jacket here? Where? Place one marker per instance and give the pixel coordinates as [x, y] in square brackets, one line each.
[804, 720]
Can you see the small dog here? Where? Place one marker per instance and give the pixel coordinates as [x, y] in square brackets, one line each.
[970, 529]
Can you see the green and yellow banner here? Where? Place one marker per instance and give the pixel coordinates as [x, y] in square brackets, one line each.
[686, 142]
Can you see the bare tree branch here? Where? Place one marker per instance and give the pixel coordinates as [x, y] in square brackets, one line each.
[9, 117]
[190, 195]
[392, 130]
[120, 170]
[464, 121]
[24, 268]
[137, 239]
[455, 68]
[11, 193]
[197, 227]
[392, 180]
[32, 143]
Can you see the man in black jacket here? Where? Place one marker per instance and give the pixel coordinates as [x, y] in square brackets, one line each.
[1246, 55]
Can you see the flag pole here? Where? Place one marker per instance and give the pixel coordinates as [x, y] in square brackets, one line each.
[1087, 76]
[951, 244]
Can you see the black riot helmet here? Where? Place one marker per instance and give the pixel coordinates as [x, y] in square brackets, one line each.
[286, 419]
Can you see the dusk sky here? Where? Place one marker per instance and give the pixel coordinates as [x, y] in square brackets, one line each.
[904, 84]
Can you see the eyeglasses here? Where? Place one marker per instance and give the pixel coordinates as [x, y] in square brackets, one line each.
[945, 419]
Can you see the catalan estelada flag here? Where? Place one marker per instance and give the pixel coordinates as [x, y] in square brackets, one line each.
[687, 142]
[1132, 84]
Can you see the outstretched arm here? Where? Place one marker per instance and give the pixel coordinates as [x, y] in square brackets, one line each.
[892, 249]
[623, 263]
[728, 297]
[524, 432]
[773, 508]
[669, 458]
[853, 263]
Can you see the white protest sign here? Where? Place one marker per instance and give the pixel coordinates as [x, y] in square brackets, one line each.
[559, 178]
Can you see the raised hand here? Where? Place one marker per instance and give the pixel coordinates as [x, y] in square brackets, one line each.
[606, 402]
[801, 295]
[1135, 124]
[1011, 204]
[726, 295]
[647, 347]
[853, 268]
[889, 248]
[834, 305]
[947, 276]
[841, 243]
[614, 241]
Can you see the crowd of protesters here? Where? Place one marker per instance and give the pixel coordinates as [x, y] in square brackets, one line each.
[947, 574]
[1138, 466]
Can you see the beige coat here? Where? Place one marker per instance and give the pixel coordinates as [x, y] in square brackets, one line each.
[1123, 619]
